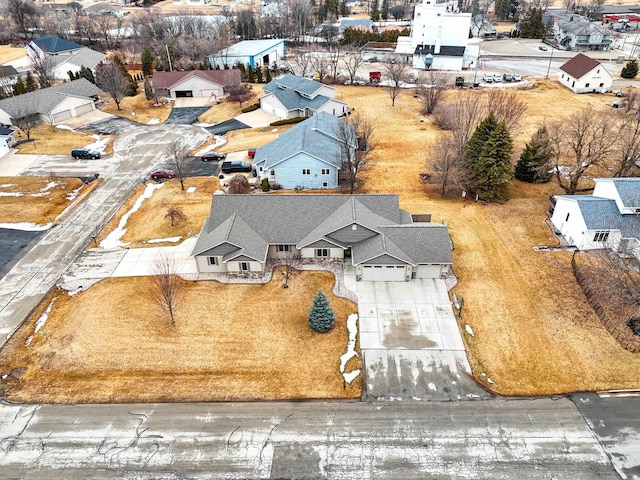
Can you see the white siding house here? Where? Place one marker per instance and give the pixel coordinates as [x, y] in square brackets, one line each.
[195, 83]
[585, 75]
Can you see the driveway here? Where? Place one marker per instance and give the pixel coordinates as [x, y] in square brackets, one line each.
[257, 118]
[113, 125]
[12, 163]
[14, 244]
[410, 342]
[185, 115]
[88, 118]
[226, 126]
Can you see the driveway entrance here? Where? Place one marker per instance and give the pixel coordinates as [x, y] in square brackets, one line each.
[410, 342]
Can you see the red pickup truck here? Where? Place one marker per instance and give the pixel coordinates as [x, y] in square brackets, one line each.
[251, 152]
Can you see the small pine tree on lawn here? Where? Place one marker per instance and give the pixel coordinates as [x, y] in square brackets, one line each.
[630, 70]
[534, 165]
[267, 74]
[258, 74]
[321, 316]
[252, 78]
[494, 167]
[148, 90]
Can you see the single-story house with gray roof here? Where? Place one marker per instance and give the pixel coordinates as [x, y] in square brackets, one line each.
[609, 218]
[52, 104]
[309, 155]
[291, 96]
[85, 57]
[370, 232]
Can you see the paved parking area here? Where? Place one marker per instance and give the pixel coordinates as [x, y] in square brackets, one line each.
[112, 126]
[185, 115]
[12, 163]
[410, 342]
[226, 126]
[14, 244]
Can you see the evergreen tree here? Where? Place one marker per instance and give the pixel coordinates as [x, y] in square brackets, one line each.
[321, 316]
[630, 70]
[251, 78]
[30, 84]
[86, 73]
[473, 148]
[72, 76]
[258, 75]
[148, 91]
[385, 9]
[494, 167]
[147, 58]
[531, 25]
[19, 88]
[375, 10]
[133, 86]
[267, 74]
[534, 164]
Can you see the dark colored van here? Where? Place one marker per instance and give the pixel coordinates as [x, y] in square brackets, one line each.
[231, 167]
[84, 153]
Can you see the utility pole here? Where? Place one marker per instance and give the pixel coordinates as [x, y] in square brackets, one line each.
[550, 58]
[168, 56]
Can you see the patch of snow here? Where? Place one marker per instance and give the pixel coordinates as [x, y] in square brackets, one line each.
[432, 386]
[154, 121]
[26, 226]
[112, 241]
[28, 341]
[489, 381]
[71, 293]
[219, 141]
[74, 193]
[274, 130]
[483, 374]
[203, 124]
[7, 185]
[352, 328]
[469, 330]
[351, 376]
[168, 239]
[191, 189]
[44, 190]
[219, 192]
[65, 127]
[43, 318]
[10, 194]
[4, 376]
[99, 145]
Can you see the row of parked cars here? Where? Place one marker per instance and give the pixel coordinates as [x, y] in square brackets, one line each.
[497, 78]
[225, 167]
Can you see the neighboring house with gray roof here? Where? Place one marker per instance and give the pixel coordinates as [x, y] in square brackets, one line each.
[582, 35]
[103, 8]
[309, 155]
[291, 96]
[370, 232]
[85, 57]
[52, 104]
[609, 218]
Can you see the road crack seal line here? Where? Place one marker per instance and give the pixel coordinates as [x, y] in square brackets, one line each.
[268, 439]
[13, 439]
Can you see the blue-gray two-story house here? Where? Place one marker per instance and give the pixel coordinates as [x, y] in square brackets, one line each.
[309, 155]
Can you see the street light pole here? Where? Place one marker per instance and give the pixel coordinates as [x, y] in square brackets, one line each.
[550, 58]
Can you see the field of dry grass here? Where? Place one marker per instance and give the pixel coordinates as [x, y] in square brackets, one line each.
[41, 200]
[9, 53]
[534, 331]
[252, 342]
[51, 140]
[149, 221]
[144, 109]
[238, 140]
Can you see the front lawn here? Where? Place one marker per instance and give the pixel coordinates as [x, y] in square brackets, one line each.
[138, 109]
[46, 139]
[110, 343]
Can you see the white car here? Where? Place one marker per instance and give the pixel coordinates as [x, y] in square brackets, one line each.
[497, 77]
[516, 77]
[488, 77]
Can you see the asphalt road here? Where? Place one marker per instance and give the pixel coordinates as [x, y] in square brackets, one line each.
[136, 152]
[14, 244]
[495, 439]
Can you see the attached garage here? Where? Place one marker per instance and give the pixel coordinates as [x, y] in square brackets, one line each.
[428, 271]
[184, 93]
[84, 108]
[61, 116]
[384, 273]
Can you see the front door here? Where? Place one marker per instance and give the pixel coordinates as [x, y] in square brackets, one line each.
[244, 267]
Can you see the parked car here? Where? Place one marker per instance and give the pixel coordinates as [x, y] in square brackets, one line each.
[619, 104]
[237, 166]
[517, 77]
[507, 77]
[251, 152]
[85, 153]
[162, 174]
[488, 77]
[209, 156]
[459, 81]
[544, 48]
[497, 77]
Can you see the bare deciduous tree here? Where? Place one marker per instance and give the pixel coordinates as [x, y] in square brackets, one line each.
[582, 141]
[166, 290]
[444, 163]
[506, 106]
[352, 60]
[461, 115]
[432, 90]
[176, 215]
[26, 122]
[397, 73]
[289, 267]
[567, 4]
[319, 62]
[110, 79]
[356, 139]
[626, 150]
[302, 60]
[43, 65]
[239, 185]
[24, 16]
[301, 15]
[178, 160]
[240, 94]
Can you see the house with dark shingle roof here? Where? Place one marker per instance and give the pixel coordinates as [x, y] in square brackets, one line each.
[583, 74]
[309, 155]
[582, 35]
[370, 232]
[291, 96]
[195, 83]
[610, 217]
[50, 45]
[63, 56]
[52, 104]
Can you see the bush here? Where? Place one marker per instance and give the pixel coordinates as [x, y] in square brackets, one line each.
[251, 108]
[634, 324]
[288, 121]
[265, 185]
[630, 70]
[239, 184]
[321, 316]
[276, 186]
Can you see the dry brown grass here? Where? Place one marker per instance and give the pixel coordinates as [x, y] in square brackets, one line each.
[58, 141]
[252, 342]
[221, 112]
[238, 140]
[150, 223]
[535, 332]
[144, 109]
[9, 53]
[38, 209]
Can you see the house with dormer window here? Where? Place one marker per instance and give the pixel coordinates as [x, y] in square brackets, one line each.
[291, 96]
[609, 218]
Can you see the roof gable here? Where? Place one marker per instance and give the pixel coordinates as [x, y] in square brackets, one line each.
[580, 65]
[297, 84]
[219, 77]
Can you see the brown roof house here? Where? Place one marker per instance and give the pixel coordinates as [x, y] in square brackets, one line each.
[585, 75]
[195, 83]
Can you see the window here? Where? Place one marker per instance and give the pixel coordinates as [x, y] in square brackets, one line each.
[245, 266]
[283, 248]
[325, 184]
[306, 171]
[272, 173]
[322, 252]
[212, 260]
[597, 71]
[601, 236]
[586, 85]
[567, 219]
[602, 85]
[325, 171]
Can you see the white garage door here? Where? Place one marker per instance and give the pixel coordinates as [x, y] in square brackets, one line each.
[60, 116]
[428, 271]
[84, 108]
[384, 273]
[208, 92]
